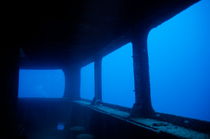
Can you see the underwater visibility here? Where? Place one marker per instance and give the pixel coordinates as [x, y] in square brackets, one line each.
[179, 51]
[87, 86]
[41, 83]
[179, 65]
[118, 77]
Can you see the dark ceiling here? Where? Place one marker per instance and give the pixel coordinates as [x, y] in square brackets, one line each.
[58, 33]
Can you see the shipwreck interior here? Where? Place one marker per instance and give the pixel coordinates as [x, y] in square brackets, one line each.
[106, 69]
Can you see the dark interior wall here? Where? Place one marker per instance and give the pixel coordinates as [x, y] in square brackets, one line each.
[53, 34]
[35, 113]
[9, 87]
[38, 115]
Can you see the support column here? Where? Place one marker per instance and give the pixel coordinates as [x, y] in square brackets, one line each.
[98, 82]
[142, 106]
[72, 82]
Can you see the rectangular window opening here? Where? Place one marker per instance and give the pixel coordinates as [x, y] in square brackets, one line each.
[179, 51]
[87, 87]
[41, 83]
[118, 77]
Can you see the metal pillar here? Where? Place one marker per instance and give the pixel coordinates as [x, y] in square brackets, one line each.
[98, 82]
[72, 83]
[142, 106]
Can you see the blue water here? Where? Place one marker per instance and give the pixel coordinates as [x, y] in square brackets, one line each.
[87, 87]
[41, 84]
[118, 78]
[179, 59]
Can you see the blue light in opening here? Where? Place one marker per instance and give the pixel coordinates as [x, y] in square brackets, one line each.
[41, 83]
[118, 77]
[179, 51]
[87, 88]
